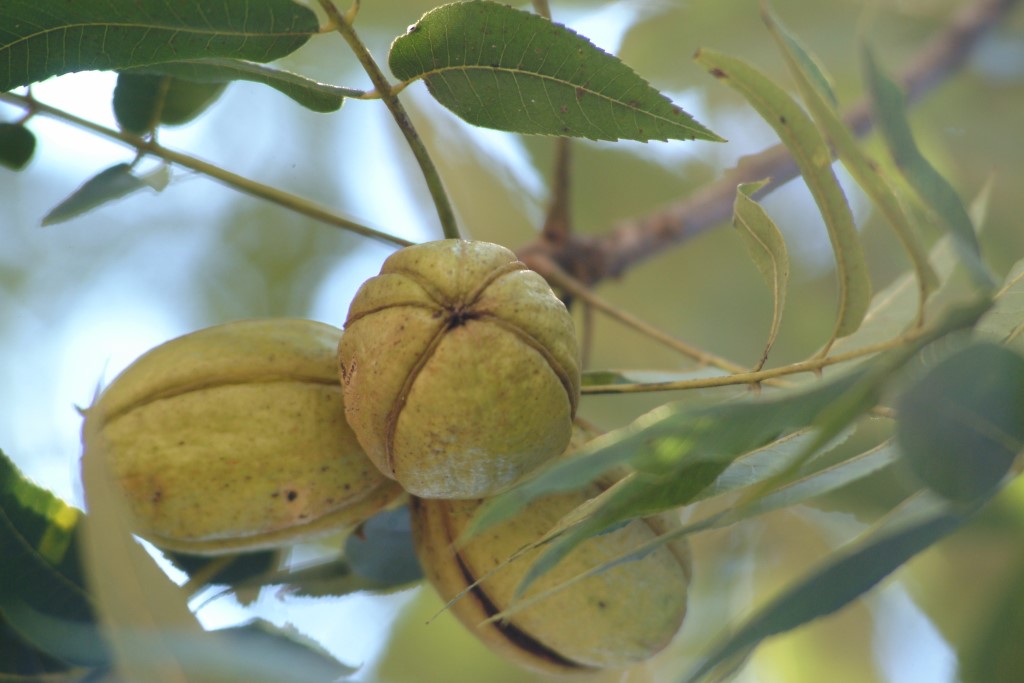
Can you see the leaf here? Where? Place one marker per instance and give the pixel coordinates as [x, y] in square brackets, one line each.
[143, 614]
[261, 652]
[961, 426]
[316, 96]
[853, 570]
[499, 67]
[934, 190]
[141, 102]
[767, 248]
[382, 549]
[17, 144]
[106, 186]
[667, 441]
[992, 653]
[651, 379]
[40, 574]
[821, 102]
[43, 38]
[814, 159]
[1005, 322]
[20, 661]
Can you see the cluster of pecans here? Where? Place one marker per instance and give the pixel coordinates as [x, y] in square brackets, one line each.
[459, 373]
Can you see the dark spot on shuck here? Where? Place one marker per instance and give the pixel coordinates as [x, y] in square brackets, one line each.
[718, 73]
[275, 494]
[157, 496]
[303, 515]
[601, 604]
[458, 318]
[324, 468]
[347, 487]
[292, 495]
[782, 120]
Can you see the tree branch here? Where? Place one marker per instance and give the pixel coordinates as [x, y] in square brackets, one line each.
[629, 243]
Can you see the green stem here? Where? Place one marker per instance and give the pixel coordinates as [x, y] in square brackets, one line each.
[232, 180]
[388, 94]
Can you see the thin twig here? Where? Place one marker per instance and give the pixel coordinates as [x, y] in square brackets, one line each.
[558, 222]
[388, 95]
[232, 180]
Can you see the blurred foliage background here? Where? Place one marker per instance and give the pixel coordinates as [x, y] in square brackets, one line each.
[80, 300]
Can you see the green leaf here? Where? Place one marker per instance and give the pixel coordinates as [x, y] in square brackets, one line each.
[649, 378]
[1005, 322]
[316, 96]
[849, 573]
[499, 67]
[814, 159]
[962, 425]
[17, 143]
[382, 549]
[686, 448]
[767, 248]
[992, 653]
[141, 101]
[43, 38]
[19, 660]
[106, 186]
[821, 102]
[41, 576]
[934, 190]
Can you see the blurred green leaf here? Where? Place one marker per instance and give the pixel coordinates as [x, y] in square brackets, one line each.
[1005, 322]
[21, 661]
[962, 425]
[851, 571]
[595, 378]
[993, 654]
[934, 190]
[767, 248]
[17, 143]
[106, 186]
[316, 96]
[41, 575]
[814, 159]
[821, 102]
[142, 101]
[382, 551]
[229, 570]
[499, 67]
[43, 38]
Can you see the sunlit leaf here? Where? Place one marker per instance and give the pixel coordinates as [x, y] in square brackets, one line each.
[141, 611]
[499, 67]
[814, 159]
[316, 96]
[934, 190]
[17, 143]
[43, 38]
[768, 250]
[41, 578]
[846, 575]
[106, 186]
[962, 425]
[142, 101]
[822, 104]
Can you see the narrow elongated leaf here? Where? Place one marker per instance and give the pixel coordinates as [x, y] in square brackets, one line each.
[814, 160]
[934, 190]
[822, 104]
[499, 67]
[962, 425]
[844, 577]
[106, 186]
[43, 38]
[316, 96]
[17, 143]
[1005, 322]
[767, 248]
[801, 489]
